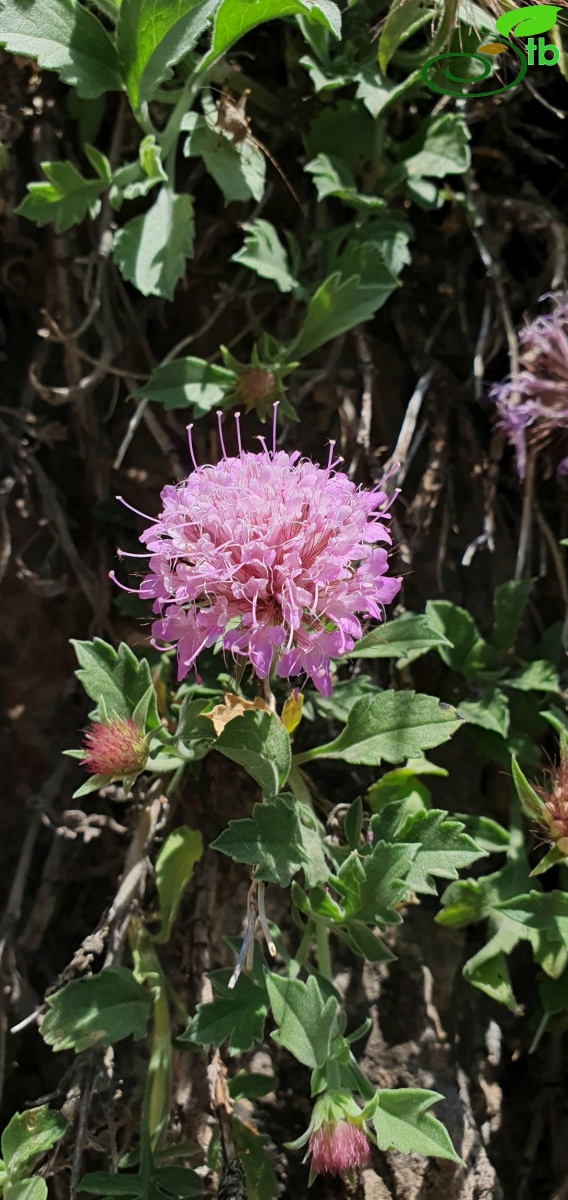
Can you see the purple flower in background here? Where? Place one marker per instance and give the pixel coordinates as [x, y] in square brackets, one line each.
[276, 557]
[533, 411]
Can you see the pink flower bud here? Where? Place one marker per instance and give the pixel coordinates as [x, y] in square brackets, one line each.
[115, 748]
[555, 798]
[338, 1146]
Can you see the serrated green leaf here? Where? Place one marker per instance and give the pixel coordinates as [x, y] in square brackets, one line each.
[235, 1015]
[545, 911]
[391, 726]
[116, 676]
[151, 250]
[65, 200]
[96, 1011]
[65, 37]
[402, 1122]
[275, 841]
[174, 868]
[457, 627]
[29, 1134]
[239, 169]
[260, 743]
[371, 886]
[305, 1022]
[153, 35]
[405, 638]
[188, 383]
[264, 254]
[443, 849]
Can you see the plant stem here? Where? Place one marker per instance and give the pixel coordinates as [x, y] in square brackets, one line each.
[303, 949]
[324, 957]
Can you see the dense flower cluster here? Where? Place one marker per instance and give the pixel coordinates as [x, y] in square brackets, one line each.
[273, 555]
[533, 409]
[115, 748]
[555, 800]
[338, 1146]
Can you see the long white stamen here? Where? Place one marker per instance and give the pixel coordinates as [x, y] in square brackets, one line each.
[190, 440]
[219, 423]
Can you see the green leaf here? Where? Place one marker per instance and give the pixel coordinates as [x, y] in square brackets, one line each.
[275, 841]
[443, 849]
[235, 1015]
[405, 638]
[404, 18]
[188, 383]
[402, 1122]
[546, 912]
[252, 1147]
[509, 602]
[346, 693]
[391, 726]
[529, 21]
[531, 803]
[491, 711]
[373, 885]
[234, 18]
[487, 834]
[554, 994]
[151, 1182]
[345, 127]
[96, 1011]
[174, 868]
[439, 148]
[26, 1189]
[239, 169]
[339, 304]
[457, 627]
[305, 1022]
[250, 1086]
[153, 35]
[333, 177]
[472, 900]
[65, 37]
[151, 250]
[259, 742]
[538, 676]
[401, 787]
[264, 253]
[65, 200]
[29, 1134]
[116, 677]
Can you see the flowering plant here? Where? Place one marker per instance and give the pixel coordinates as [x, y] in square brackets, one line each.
[533, 407]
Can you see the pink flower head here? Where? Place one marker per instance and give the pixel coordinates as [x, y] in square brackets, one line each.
[272, 555]
[533, 409]
[115, 748]
[338, 1146]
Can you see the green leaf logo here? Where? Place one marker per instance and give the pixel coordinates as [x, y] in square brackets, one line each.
[528, 22]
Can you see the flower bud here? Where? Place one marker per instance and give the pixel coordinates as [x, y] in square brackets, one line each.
[256, 388]
[115, 748]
